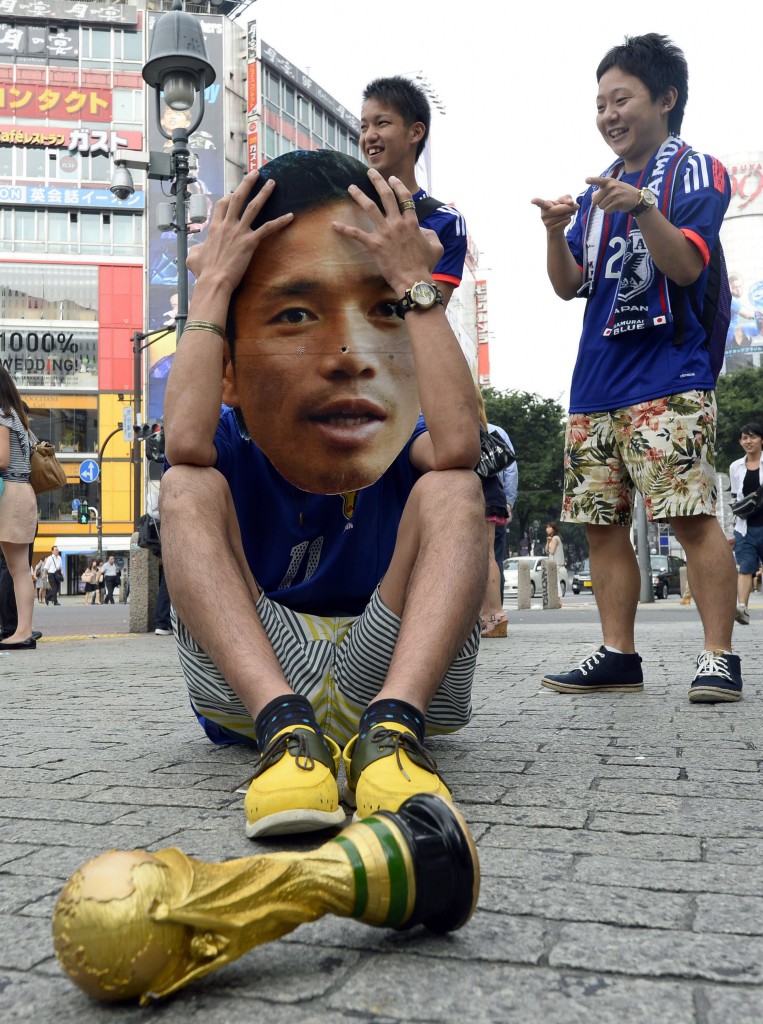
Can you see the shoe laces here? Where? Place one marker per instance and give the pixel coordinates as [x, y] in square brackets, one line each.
[390, 739]
[589, 664]
[293, 742]
[711, 663]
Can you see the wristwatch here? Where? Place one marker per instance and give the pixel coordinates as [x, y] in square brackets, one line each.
[421, 295]
[646, 200]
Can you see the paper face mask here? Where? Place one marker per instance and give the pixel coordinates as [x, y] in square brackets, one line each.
[322, 368]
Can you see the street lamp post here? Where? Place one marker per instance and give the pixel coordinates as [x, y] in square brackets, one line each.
[178, 70]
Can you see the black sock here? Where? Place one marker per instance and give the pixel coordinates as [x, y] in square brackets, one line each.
[282, 712]
[386, 710]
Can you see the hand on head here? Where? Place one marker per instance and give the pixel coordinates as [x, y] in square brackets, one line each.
[403, 252]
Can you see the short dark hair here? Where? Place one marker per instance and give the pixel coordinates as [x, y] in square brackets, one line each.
[751, 428]
[305, 179]
[408, 99]
[658, 63]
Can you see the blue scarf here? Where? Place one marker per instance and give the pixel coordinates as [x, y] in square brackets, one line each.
[639, 278]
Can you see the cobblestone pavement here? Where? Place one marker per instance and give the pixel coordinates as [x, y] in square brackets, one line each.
[620, 838]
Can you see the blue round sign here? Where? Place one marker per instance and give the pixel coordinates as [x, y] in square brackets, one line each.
[88, 471]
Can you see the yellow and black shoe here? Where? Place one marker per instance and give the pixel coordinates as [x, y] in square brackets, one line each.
[385, 767]
[294, 787]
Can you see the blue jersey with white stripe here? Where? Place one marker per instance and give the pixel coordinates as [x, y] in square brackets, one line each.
[316, 553]
[450, 227]
[636, 366]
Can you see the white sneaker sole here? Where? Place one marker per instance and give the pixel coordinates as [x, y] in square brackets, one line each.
[285, 823]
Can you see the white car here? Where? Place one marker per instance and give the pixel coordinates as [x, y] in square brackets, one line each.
[511, 575]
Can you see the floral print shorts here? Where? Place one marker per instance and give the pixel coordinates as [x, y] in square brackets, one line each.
[663, 448]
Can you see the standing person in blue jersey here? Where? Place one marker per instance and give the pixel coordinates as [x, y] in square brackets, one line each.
[642, 404]
[342, 606]
[394, 127]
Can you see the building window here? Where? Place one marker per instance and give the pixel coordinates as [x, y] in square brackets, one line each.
[48, 292]
[289, 99]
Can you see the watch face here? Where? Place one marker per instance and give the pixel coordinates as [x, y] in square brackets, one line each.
[423, 294]
[648, 198]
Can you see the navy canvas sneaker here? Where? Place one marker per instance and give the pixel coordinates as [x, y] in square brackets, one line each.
[603, 670]
[718, 678]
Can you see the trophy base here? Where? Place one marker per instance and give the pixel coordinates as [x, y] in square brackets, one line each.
[445, 862]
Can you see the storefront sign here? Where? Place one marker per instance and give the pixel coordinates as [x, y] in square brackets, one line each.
[52, 195]
[39, 355]
[61, 103]
[84, 140]
[66, 10]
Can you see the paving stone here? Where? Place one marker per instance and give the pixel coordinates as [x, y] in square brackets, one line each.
[645, 951]
[727, 1006]
[672, 876]
[499, 993]
[648, 847]
[742, 915]
[571, 901]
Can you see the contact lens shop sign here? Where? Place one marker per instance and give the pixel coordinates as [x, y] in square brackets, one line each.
[38, 354]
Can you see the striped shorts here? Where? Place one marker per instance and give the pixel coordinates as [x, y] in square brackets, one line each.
[339, 663]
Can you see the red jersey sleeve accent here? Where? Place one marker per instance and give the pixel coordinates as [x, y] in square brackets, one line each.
[699, 242]
[719, 176]
[455, 281]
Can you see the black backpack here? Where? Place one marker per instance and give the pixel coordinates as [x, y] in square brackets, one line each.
[426, 206]
[715, 314]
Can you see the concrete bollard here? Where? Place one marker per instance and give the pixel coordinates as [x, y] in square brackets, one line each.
[524, 589]
[550, 585]
[684, 584]
[144, 587]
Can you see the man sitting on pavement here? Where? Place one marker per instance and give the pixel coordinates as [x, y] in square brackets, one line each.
[323, 542]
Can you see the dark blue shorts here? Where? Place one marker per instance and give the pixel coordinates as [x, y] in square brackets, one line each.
[748, 550]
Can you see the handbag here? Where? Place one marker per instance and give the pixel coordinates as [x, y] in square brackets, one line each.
[46, 473]
[58, 575]
[495, 454]
[148, 534]
[748, 505]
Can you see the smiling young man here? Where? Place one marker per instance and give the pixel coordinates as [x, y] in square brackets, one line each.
[642, 404]
[321, 600]
[394, 127]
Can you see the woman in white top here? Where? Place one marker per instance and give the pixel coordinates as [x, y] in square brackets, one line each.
[554, 547]
[18, 509]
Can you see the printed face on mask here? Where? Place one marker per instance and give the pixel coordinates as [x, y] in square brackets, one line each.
[322, 368]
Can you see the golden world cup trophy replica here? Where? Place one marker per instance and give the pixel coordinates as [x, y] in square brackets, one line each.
[136, 924]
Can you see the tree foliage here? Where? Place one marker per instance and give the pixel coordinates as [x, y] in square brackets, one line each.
[740, 400]
[536, 428]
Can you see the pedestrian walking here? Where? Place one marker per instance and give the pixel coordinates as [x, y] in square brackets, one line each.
[110, 573]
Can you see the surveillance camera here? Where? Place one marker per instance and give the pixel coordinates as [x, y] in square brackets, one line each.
[121, 183]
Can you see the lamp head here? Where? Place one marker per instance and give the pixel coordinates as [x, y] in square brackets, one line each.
[177, 63]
